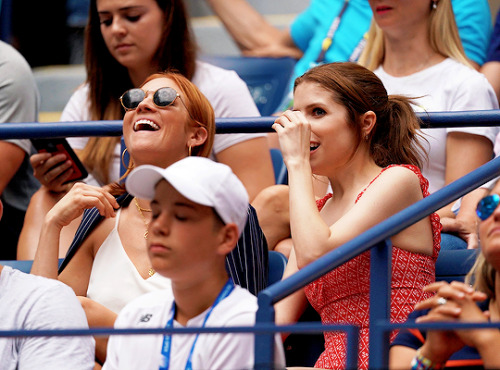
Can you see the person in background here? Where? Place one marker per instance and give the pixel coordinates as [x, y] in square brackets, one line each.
[432, 66]
[29, 302]
[199, 209]
[491, 69]
[333, 31]
[125, 43]
[19, 102]
[345, 127]
[460, 303]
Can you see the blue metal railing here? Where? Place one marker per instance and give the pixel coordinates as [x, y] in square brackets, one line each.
[377, 236]
[224, 125]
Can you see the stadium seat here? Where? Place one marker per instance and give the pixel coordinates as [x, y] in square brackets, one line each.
[455, 264]
[21, 265]
[280, 171]
[277, 265]
[267, 78]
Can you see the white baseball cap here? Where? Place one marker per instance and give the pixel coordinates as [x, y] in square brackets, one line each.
[200, 180]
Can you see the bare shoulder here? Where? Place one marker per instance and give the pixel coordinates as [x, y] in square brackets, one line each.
[401, 175]
[398, 183]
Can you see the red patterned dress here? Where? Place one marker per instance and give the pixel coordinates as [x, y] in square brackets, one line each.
[342, 295]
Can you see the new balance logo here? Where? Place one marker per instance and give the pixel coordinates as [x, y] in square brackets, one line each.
[146, 317]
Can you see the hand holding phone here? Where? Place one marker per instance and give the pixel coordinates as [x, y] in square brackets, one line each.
[61, 146]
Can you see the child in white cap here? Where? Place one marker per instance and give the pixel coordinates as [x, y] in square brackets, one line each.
[199, 209]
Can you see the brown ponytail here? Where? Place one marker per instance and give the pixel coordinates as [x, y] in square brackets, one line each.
[394, 138]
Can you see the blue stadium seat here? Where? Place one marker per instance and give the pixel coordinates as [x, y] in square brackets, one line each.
[21, 265]
[280, 171]
[267, 78]
[277, 265]
[455, 264]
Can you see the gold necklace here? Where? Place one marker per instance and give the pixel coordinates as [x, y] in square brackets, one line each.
[140, 210]
[151, 271]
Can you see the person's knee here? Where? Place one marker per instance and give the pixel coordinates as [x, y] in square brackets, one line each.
[272, 201]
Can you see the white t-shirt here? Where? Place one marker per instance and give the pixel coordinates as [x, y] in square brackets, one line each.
[224, 89]
[212, 351]
[32, 302]
[446, 86]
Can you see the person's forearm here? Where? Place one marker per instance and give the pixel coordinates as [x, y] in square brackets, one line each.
[47, 254]
[247, 26]
[488, 348]
[469, 203]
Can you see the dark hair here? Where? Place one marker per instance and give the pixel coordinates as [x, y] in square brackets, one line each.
[393, 139]
[108, 79]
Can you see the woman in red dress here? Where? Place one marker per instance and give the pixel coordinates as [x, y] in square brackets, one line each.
[346, 128]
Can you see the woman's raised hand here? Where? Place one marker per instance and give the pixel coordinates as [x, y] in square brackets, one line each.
[294, 133]
[81, 197]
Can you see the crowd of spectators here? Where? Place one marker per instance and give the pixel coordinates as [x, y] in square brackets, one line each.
[182, 238]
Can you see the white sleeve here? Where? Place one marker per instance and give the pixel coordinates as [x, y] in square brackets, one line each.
[77, 109]
[477, 95]
[57, 308]
[232, 350]
[235, 101]
[230, 97]
[236, 350]
[115, 342]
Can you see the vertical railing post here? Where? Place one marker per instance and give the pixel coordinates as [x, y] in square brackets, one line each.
[264, 343]
[380, 303]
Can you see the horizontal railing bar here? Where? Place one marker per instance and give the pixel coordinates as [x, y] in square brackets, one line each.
[441, 325]
[303, 327]
[224, 125]
[383, 230]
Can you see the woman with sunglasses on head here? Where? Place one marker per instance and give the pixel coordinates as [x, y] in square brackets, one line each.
[168, 119]
[415, 49]
[345, 127]
[460, 303]
[126, 41]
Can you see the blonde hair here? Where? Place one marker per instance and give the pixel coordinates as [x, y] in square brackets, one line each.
[482, 276]
[443, 36]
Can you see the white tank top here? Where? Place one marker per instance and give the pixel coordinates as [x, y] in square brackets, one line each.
[114, 279]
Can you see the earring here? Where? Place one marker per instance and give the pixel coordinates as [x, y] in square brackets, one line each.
[366, 137]
[128, 167]
[189, 151]
[434, 5]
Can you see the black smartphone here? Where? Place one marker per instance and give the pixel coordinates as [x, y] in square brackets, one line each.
[61, 145]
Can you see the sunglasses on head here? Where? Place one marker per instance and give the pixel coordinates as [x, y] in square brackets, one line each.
[487, 206]
[163, 97]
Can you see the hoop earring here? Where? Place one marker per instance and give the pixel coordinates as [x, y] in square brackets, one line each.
[129, 166]
[189, 151]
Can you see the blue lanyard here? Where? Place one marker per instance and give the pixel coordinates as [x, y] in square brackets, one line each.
[167, 339]
[327, 41]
